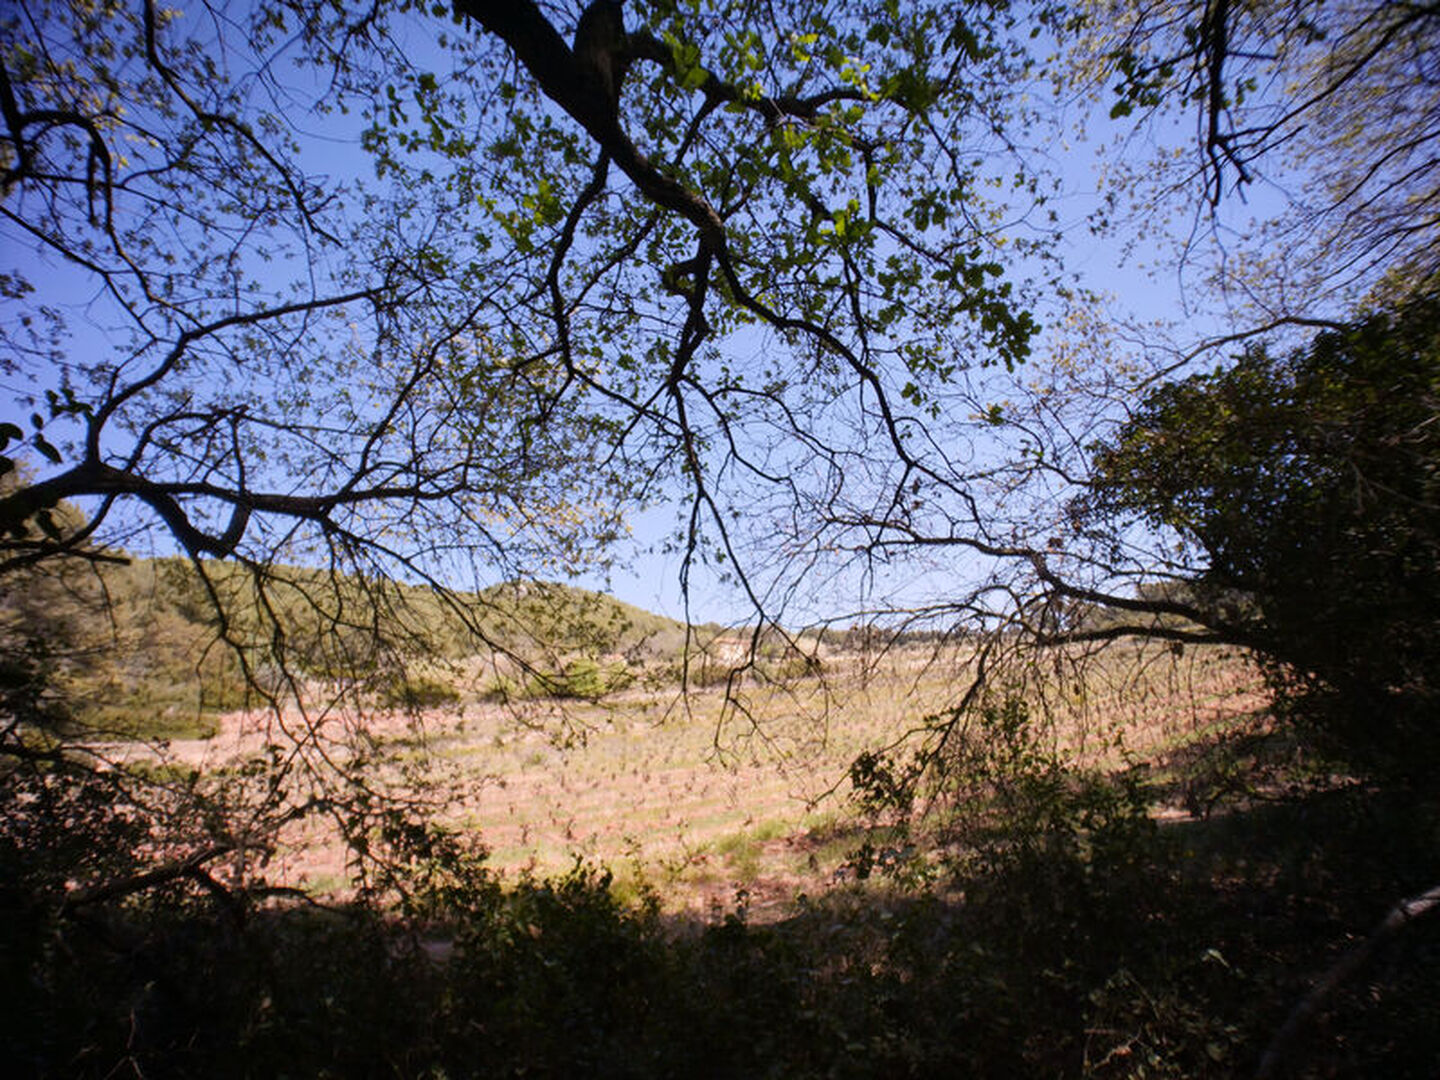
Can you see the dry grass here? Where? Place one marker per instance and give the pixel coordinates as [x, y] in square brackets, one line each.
[702, 795]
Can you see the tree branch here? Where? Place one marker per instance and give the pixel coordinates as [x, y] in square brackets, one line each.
[1400, 916]
[189, 867]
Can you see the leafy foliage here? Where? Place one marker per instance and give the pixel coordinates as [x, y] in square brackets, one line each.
[1178, 962]
[1310, 485]
[769, 261]
[1282, 92]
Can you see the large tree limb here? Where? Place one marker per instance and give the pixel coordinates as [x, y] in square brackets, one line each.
[188, 867]
[543, 52]
[1344, 969]
[96, 478]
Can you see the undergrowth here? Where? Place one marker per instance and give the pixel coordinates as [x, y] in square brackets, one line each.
[1086, 940]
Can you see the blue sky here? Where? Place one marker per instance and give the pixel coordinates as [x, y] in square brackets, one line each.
[649, 575]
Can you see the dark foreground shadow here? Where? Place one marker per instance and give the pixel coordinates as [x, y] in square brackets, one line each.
[1175, 950]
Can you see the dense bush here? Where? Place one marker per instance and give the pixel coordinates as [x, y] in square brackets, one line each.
[584, 679]
[1086, 947]
[417, 692]
[1309, 486]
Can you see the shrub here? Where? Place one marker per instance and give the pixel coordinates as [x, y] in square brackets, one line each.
[585, 679]
[416, 692]
[1308, 485]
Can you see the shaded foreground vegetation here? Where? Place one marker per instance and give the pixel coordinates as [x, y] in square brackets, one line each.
[1144, 879]
[1089, 941]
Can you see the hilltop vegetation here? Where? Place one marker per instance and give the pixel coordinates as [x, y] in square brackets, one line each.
[138, 648]
[120, 650]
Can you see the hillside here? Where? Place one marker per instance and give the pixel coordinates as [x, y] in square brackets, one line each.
[140, 648]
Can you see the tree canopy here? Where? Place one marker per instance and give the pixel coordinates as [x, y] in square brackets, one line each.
[522, 293]
[1308, 486]
[772, 265]
[358, 311]
[1320, 115]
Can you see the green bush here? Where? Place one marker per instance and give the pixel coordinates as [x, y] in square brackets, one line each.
[502, 689]
[416, 692]
[1309, 485]
[585, 679]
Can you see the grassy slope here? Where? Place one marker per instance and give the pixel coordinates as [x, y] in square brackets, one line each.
[137, 649]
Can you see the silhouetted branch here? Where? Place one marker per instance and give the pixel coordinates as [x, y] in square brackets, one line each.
[1347, 967]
